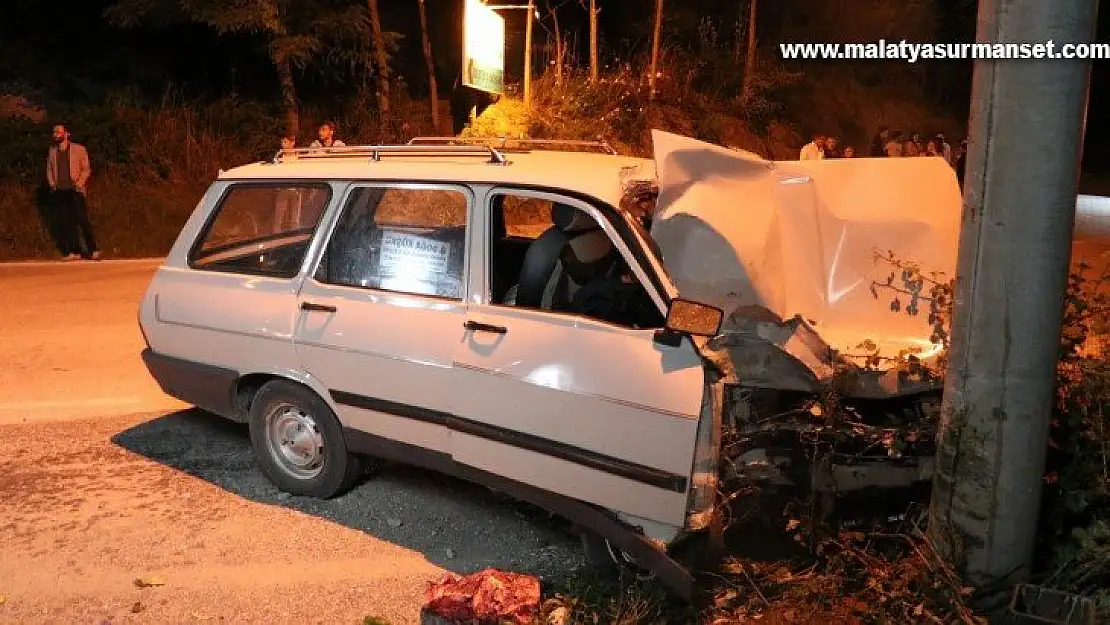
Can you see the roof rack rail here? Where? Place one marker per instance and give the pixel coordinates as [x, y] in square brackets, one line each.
[375, 152]
[508, 143]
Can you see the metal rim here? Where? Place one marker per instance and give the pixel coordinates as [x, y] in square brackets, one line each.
[295, 441]
[625, 561]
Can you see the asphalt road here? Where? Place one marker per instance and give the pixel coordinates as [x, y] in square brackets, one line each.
[106, 481]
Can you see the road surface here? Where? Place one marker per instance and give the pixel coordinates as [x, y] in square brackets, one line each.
[106, 481]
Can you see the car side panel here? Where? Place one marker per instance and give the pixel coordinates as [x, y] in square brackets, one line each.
[581, 408]
[382, 349]
[211, 319]
[234, 322]
[385, 357]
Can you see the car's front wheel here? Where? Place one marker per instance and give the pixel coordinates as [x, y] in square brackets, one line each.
[298, 442]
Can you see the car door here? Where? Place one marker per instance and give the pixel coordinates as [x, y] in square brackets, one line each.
[385, 306]
[226, 295]
[579, 406]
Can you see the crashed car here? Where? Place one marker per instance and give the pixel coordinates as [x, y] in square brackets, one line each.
[501, 313]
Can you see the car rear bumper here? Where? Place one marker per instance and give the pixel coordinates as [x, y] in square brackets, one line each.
[205, 386]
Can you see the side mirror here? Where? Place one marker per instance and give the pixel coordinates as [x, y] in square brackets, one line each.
[694, 318]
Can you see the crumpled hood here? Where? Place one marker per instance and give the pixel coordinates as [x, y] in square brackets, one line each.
[774, 240]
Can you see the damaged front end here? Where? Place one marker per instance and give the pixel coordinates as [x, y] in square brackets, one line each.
[796, 414]
[804, 258]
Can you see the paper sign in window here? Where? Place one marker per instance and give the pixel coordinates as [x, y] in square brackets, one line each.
[414, 264]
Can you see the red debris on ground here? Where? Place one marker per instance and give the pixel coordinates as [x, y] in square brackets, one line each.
[486, 596]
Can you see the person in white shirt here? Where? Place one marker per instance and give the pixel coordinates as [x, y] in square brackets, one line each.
[944, 148]
[327, 139]
[814, 150]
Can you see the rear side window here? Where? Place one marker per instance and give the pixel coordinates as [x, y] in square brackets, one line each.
[409, 240]
[261, 229]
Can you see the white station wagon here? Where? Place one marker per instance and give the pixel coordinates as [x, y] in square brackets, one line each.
[492, 313]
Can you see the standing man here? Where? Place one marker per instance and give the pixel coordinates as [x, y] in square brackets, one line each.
[67, 173]
[945, 149]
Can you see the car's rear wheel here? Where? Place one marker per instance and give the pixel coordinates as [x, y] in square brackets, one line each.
[298, 442]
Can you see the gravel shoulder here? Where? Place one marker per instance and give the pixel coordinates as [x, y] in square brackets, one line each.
[92, 505]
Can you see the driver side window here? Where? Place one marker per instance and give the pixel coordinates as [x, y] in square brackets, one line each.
[551, 256]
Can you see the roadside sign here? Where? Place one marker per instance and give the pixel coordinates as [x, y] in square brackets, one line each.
[483, 48]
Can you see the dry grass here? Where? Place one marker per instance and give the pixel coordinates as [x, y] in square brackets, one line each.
[852, 577]
[129, 219]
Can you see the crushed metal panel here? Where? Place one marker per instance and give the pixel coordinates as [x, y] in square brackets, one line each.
[800, 237]
[845, 478]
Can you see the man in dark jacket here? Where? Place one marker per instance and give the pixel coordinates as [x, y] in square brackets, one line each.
[67, 174]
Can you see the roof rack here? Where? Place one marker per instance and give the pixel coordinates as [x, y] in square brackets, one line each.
[375, 152]
[507, 143]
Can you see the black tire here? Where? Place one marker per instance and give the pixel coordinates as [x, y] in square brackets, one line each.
[333, 471]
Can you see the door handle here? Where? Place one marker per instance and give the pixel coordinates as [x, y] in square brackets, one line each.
[485, 327]
[318, 307]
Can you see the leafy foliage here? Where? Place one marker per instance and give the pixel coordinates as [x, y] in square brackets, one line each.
[1076, 510]
[616, 108]
[303, 33]
[909, 288]
[1075, 518]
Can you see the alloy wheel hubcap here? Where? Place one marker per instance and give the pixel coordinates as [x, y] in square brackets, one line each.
[295, 441]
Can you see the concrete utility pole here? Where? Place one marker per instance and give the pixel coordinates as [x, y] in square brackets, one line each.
[528, 55]
[1015, 247]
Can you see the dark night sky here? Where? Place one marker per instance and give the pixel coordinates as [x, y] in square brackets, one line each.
[66, 47]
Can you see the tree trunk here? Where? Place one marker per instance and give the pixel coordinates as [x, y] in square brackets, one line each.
[749, 60]
[593, 40]
[275, 27]
[382, 63]
[738, 35]
[288, 96]
[432, 87]
[528, 55]
[655, 46]
[558, 49]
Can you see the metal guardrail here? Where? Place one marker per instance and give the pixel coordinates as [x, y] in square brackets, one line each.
[507, 143]
[375, 152]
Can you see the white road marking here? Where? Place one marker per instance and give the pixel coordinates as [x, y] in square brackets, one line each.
[71, 403]
[77, 263]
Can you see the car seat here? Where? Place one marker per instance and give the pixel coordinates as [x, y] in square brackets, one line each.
[567, 255]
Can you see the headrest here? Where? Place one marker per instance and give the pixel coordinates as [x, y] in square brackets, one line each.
[570, 219]
[591, 247]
